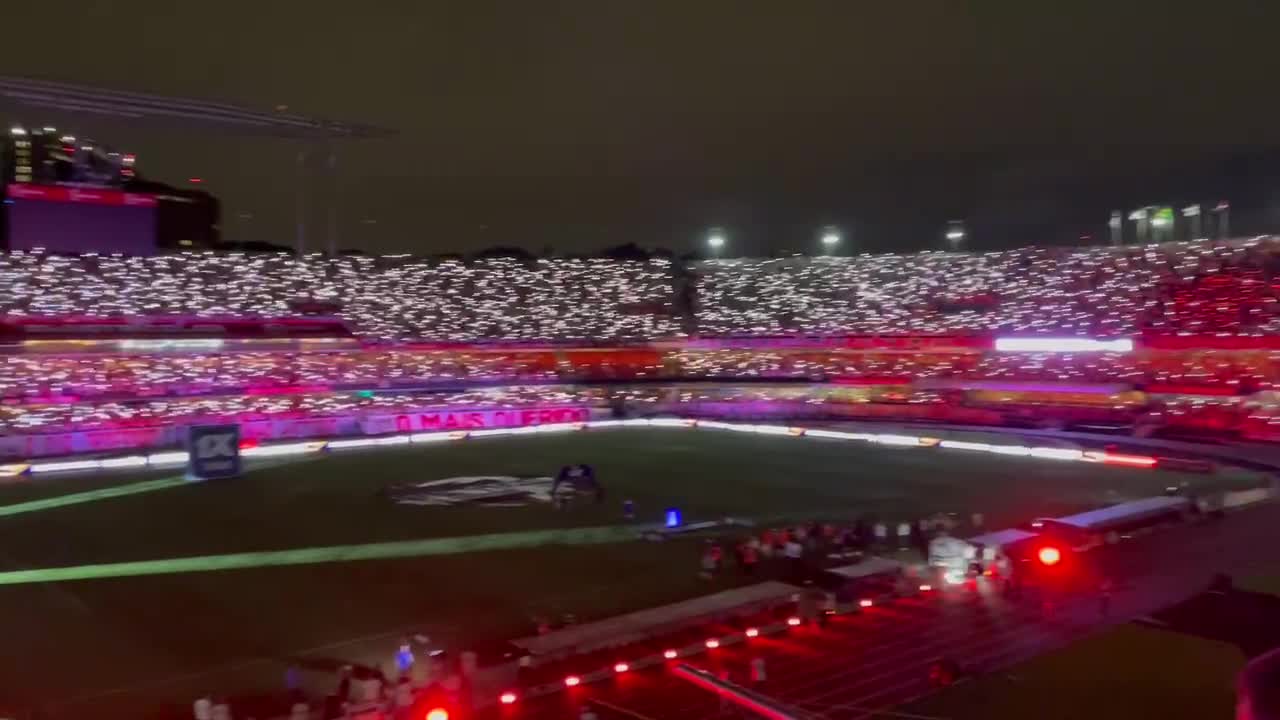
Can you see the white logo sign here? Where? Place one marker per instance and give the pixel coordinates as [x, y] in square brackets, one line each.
[209, 447]
[487, 490]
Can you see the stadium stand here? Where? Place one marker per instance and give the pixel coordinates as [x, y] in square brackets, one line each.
[44, 378]
[35, 377]
[1181, 287]
[19, 419]
[906, 336]
[1189, 287]
[385, 299]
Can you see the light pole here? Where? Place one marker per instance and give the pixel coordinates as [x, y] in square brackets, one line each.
[333, 201]
[1141, 216]
[1192, 212]
[1223, 211]
[830, 239]
[955, 233]
[1162, 223]
[300, 207]
[716, 241]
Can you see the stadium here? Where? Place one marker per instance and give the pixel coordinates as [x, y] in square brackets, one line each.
[245, 475]
[350, 379]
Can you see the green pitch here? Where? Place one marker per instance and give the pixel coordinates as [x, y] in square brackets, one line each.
[127, 591]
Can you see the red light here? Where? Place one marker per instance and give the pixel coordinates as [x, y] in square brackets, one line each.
[621, 668]
[712, 644]
[752, 632]
[1049, 556]
[670, 654]
[793, 621]
[438, 714]
[1128, 460]
[197, 181]
[507, 698]
[926, 588]
[572, 681]
[866, 603]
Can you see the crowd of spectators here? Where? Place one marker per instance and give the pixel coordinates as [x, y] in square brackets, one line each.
[1190, 287]
[1199, 286]
[38, 378]
[60, 417]
[1231, 371]
[108, 375]
[580, 305]
[1257, 415]
[386, 299]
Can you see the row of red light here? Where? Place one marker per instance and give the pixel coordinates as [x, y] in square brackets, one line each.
[571, 681]
[1141, 461]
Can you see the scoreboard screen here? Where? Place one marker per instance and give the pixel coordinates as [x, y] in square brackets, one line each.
[79, 220]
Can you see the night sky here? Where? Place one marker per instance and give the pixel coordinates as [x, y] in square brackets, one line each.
[579, 125]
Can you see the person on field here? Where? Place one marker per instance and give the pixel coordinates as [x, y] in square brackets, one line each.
[768, 539]
[708, 562]
[793, 551]
[750, 558]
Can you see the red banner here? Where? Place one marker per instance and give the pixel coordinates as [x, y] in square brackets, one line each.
[95, 196]
[1192, 389]
[472, 419]
[1209, 342]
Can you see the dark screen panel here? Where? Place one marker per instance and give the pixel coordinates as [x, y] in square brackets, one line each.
[70, 227]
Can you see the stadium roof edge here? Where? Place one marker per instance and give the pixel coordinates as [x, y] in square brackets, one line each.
[66, 98]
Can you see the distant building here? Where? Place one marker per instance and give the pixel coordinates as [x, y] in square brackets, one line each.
[69, 194]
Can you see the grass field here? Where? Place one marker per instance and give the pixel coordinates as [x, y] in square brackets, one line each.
[118, 643]
[1080, 681]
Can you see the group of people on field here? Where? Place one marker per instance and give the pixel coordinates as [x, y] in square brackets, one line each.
[795, 551]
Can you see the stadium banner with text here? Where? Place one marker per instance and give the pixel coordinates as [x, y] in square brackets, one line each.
[763, 409]
[214, 451]
[474, 420]
[331, 426]
[91, 196]
[99, 441]
[1207, 341]
[168, 436]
